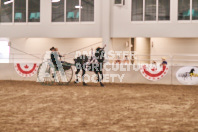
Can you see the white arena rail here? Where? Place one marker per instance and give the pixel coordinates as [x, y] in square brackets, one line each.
[175, 63]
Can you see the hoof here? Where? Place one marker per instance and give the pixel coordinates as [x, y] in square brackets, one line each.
[76, 81]
[84, 84]
[53, 75]
[101, 84]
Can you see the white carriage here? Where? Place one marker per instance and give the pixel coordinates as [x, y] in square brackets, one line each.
[48, 74]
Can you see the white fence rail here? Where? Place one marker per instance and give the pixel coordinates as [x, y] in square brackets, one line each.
[174, 60]
[175, 63]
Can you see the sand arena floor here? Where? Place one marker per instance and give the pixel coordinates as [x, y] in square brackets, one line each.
[29, 106]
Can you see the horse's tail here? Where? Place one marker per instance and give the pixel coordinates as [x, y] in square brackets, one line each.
[81, 59]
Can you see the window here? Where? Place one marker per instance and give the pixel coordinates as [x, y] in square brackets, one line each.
[137, 10]
[34, 11]
[195, 9]
[118, 1]
[72, 10]
[20, 11]
[150, 10]
[4, 52]
[188, 10]
[184, 10]
[58, 11]
[164, 10]
[87, 10]
[23, 12]
[6, 10]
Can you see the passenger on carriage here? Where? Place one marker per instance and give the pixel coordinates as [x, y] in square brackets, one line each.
[55, 58]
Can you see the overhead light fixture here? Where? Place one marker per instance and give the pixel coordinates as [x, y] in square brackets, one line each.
[53, 1]
[77, 6]
[8, 2]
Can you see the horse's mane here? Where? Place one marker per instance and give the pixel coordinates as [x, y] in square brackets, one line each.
[99, 56]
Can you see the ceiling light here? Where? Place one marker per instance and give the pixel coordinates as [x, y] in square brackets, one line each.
[55, 1]
[77, 6]
[8, 2]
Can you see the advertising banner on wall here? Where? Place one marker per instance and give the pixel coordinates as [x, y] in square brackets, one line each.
[26, 70]
[187, 75]
[154, 73]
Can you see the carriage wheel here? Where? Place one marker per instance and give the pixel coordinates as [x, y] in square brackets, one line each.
[45, 74]
[69, 74]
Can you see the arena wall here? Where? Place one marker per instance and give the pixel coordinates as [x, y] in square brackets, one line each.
[160, 46]
[8, 73]
[154, 48]
[182, 51]
[120, 44]
[174, 46]
[142, 47]
[38, 47]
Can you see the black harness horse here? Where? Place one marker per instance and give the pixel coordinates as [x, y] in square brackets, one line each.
[97, 67]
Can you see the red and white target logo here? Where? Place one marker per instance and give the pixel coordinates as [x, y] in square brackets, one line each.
[152, 73]
[26, 70]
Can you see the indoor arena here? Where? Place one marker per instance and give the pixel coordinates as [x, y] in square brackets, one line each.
[98, 65]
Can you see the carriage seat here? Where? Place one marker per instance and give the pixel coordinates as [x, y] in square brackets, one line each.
[47, 59]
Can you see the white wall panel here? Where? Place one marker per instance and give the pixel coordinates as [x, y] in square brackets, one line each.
[122, 26]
